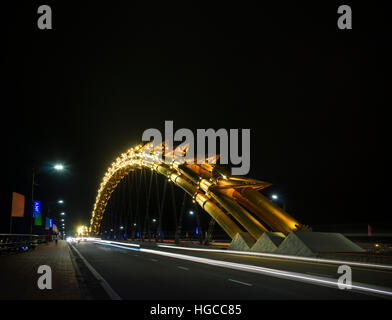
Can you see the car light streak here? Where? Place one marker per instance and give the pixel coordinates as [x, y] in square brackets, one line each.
[117, 246]
[117, 242]
[272, 255]
[261, 270]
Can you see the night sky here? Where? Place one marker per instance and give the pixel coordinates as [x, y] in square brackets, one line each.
[313, 96]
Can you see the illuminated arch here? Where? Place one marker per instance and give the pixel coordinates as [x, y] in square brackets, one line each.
[232, 201]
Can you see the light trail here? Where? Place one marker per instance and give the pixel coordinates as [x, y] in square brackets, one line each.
[265, 271]
[273, 255]
[117, 242]
[117, 246]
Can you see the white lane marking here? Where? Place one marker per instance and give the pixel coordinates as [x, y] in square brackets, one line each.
[155, 260]
[105, 285]
[273, 255]
[316, 274]
[240, 282]
[323, 281]
[183, 268]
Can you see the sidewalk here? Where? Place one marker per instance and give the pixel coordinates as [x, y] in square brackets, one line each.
[19, 276]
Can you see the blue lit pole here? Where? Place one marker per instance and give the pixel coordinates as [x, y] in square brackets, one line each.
[32, 202]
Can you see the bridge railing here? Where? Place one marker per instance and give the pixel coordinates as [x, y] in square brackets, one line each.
[14, 243]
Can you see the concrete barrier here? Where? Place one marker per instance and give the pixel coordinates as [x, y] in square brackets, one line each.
[243, 241]
[268, 242]
[309, 244]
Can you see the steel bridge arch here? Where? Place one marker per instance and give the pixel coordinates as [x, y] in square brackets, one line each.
[232, 201]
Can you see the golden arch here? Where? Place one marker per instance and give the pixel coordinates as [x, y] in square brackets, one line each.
[232, 201]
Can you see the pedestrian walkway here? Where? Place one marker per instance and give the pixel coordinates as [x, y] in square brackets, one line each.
[19, 276]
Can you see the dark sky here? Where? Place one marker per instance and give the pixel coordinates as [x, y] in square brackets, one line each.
[313, 96]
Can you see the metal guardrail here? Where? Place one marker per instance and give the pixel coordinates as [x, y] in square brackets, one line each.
[14, 243]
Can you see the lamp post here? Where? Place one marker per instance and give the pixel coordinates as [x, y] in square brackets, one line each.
[32, 202]
[57, 167]
[50, 204]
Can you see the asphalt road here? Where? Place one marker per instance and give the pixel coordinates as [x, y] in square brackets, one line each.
[134, 274]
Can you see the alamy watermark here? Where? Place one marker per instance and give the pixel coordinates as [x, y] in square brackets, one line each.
[45, 281]
[345, 20]
[45, 19]
[345, 280]
[229, 145]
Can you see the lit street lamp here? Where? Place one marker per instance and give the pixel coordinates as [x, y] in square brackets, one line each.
[275, 197]
[57, 167]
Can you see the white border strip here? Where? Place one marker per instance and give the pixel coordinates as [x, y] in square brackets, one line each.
[272, 255]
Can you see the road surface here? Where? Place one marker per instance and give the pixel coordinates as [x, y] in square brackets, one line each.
[130, 273]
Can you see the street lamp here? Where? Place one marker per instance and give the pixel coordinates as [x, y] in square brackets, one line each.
[62, 213]
[51, 204]
[154, 220]
[275, 197]
[59, 167]
[191, 213]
